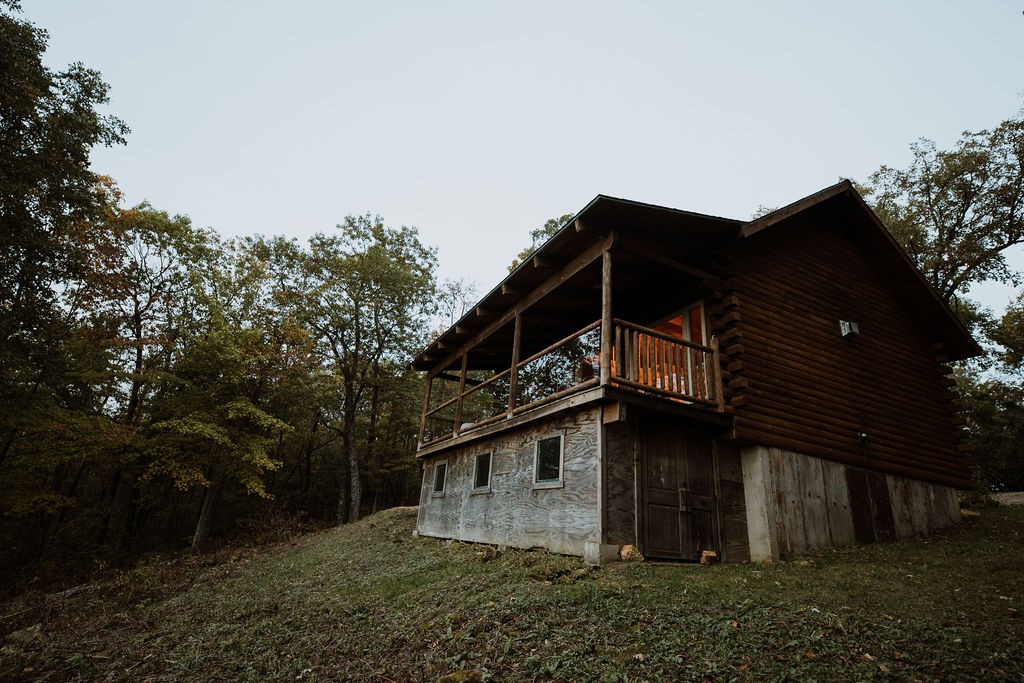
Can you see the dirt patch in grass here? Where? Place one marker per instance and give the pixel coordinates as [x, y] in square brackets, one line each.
[371, 602]
[1009, 498]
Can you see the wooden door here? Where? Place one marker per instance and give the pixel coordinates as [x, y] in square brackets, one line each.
[678, 491]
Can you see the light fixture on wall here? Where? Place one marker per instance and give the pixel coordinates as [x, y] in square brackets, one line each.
[848, 329]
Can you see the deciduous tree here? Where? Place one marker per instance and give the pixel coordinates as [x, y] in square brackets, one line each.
[48, 126]
[957, 211]
[369, 293]
[538, 237]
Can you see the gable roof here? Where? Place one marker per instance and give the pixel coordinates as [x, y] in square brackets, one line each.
[907, 281]
[700, 234]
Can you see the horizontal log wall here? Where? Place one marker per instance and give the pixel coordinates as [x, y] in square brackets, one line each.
[796, 383]
[515, 512]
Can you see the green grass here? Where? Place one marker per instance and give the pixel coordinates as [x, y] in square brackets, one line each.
[370, 602]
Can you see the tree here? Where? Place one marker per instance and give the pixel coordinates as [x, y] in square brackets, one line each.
[48, 125]
[454, 298]
[213, 431]
[369, 292]
[214, 420]
[139, 265]
[957, 211]
[994, 404]
[538, 237]
[49, 423]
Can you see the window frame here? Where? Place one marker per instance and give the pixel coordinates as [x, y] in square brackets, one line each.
[434, 491]
[485, 488]
[685, 326]
[549, 483]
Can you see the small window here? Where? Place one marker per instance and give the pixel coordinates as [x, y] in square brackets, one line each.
[440, 470]
[482, 472]
[548, 465]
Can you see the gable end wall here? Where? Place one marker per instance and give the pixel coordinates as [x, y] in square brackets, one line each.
[806, 388]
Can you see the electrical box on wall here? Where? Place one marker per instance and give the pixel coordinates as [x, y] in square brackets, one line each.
[848, 329]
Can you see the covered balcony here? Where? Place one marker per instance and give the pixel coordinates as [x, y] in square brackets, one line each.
[597, 313]
[642, 359]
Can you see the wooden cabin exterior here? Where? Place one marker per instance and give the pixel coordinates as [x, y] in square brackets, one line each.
[682, 383]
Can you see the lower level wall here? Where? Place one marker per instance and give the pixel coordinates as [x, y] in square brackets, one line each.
[797, 502]
[514, 511]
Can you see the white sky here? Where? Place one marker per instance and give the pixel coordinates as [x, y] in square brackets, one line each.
[477, 121]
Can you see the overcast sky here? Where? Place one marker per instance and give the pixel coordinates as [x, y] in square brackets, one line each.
[477, 121]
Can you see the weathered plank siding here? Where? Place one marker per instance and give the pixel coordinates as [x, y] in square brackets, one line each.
[814, 503]
[515, 512]
[731, 504]
[806, 388]
[620, 484]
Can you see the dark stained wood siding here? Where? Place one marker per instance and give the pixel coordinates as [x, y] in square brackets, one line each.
[678, 489]
[619, 485]
[797, 384]
[732, 509]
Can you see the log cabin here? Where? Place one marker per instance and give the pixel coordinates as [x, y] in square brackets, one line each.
[686, 383]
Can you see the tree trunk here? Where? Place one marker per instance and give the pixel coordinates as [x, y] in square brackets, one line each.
[136, 390]
[350, 485]
[109, 504]
[8, 442]
[341, 513]
[307, 471]
[202, 533]
[355, 498]
[58, 517]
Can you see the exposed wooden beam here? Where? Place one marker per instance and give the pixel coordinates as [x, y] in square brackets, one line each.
[580, 227]
[651, 255]
[455, 378]
[543, 262]
[571, 302]
[545, 288]
[507, 289]
[482, 312]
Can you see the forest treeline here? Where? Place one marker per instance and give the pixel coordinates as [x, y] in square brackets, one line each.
[180, 373]
[160, 383]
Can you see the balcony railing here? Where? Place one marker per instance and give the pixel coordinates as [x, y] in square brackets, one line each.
[654, 362]
[643, 360]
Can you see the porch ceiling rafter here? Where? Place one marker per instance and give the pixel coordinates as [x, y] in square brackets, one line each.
[570, 269]
[644, 253]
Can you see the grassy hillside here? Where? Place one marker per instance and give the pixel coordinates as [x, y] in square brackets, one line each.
[370, 602]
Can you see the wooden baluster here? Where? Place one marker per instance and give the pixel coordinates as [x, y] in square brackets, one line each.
[634, 354]
[662, 364]
[617, 357]
[645, 360]
[677, 376]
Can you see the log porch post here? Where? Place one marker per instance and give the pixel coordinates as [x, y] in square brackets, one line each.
[426, 407]
[606, 317]
[513, 379]
[462, 391]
